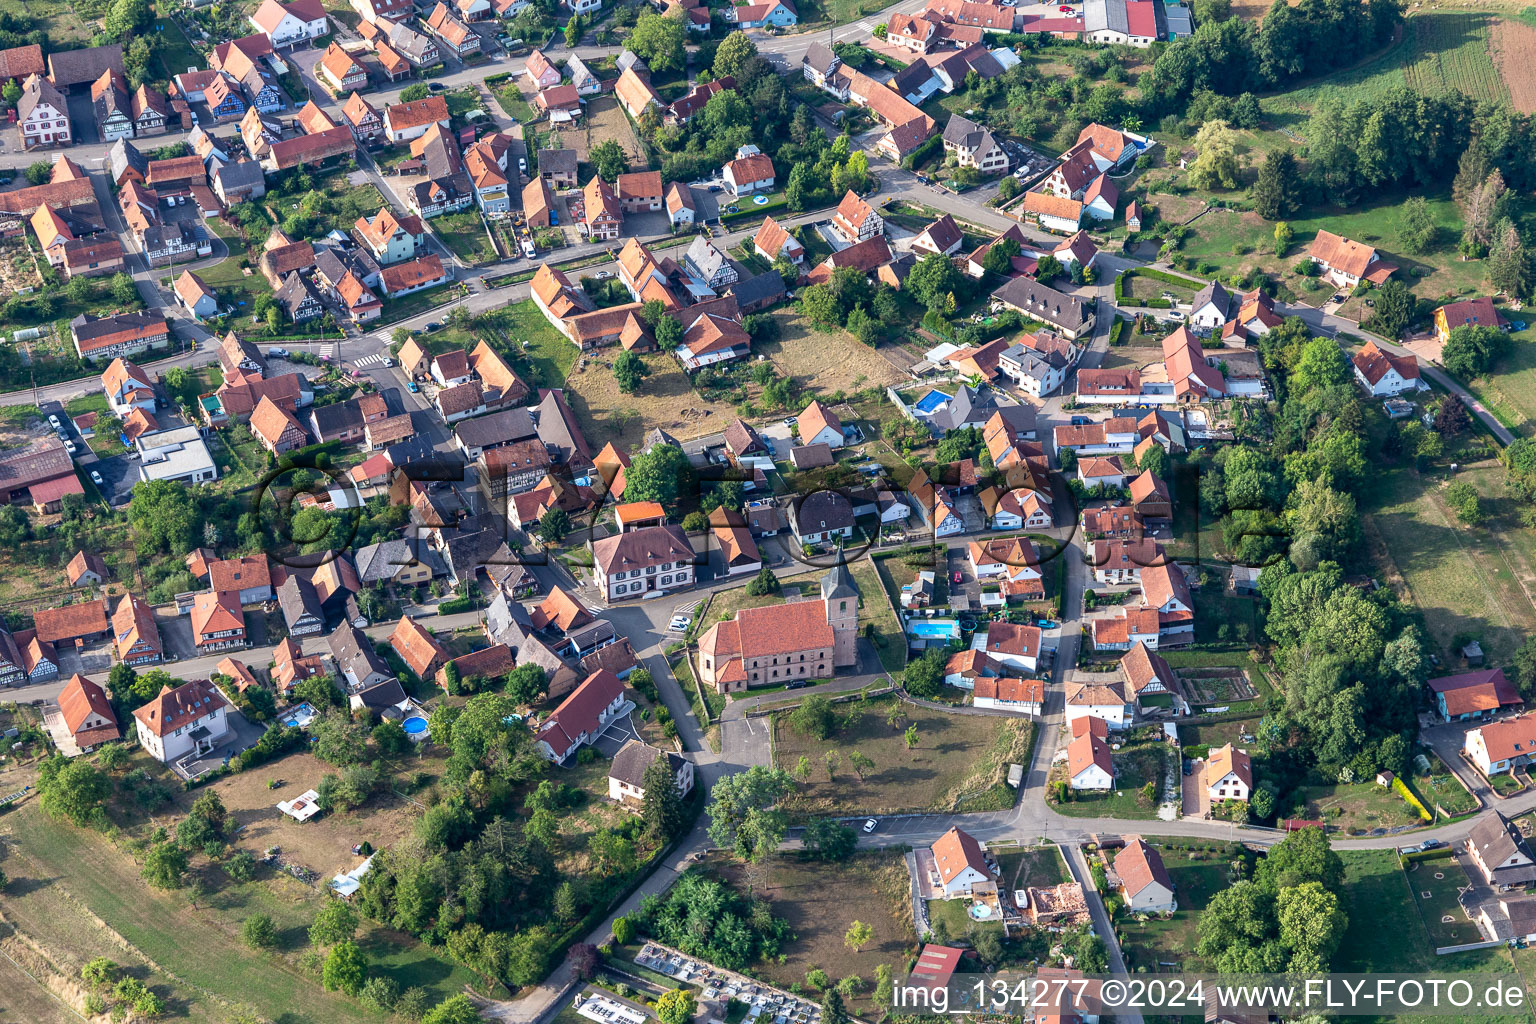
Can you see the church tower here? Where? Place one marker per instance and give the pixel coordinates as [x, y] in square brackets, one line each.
[841, 598]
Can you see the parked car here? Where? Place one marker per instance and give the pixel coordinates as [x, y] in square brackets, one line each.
[389, 361]
[871, 824]
[53, 421]
[277, 353]
[603, 275]
[70, 446]
[412, 386]
[1431, 844]
[717, 188]
[959, 577]
[680, 623]
[433, 326]
[436, 87]
[96, 479]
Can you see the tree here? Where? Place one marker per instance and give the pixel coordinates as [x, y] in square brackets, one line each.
[932, 278]
[668, 333]
[1471, 349]
[1215, 164]
[72, 789]
[455, 1010]
[861, 763]
[610, 160]
[126, 17]
[1303, 856]
[1155, 461]
[661, 808]
[1048, 269]
[11, 93]
[911, 736]
[733, 55]
[414, 91]
[1276, 191]
[1322, 364]
[925, 675]
[743, 813]
[1000, 254]
[165, 865]
[796, 191]
[1452, 417]
[573, 30]
[1509, 265]
[629, 370]
[832, 1009]
[764, 583]
[346, 968]
[259, 932]
[1311, 925]
[858, 935]
[814, 718]
[1463, 497]
[829, 839]
[659, 39]
[164, 516]
[675, 1006]
[1419, 227]
[390, 736]
[554, 525]
[527, 683]
[1394, 309]
[660, 475]
[39, 172]
[124, 291]
[335, 922]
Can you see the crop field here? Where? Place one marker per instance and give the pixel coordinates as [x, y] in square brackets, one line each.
[1476, 580]
[1514, 54]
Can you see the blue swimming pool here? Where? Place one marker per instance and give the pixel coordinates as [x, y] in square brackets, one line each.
[934, 629]
[930, 402]
[414, 725]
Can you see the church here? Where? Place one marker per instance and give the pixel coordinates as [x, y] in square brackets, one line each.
[808, 639]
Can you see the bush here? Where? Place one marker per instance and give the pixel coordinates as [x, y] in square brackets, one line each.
[259, 932]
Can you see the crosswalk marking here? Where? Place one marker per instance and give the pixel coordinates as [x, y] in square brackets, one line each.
[372, 360]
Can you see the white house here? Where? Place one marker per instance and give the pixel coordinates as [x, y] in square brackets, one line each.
[1228, 774]
[1090, 763]
[290, 24]
[1502, 746]
[1211, 308]
[1101, 471]
[820, 425]
[626, 775]
[962, 866]
[42, 114]
[127, 387]
[749, 174]
[1010, 644]
[191, 719]
[582, 716]
[1144, 880]
[1020, 509]
[1384, 374]
[1165, 588]
[1099, 700]
[1021, 696]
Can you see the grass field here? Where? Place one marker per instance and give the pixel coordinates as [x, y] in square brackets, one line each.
[67, 23]
[1510, 391]
[1357, 806]
[70, 887]
[955, 762]
[825, 361]
[666, 399]
[1434, 884]
[1159, 945]
[1466, 580]
[235, 287]
[542, 355]
[1136, 764]
[1038, 866]
[464, 233]
[889, 642]
[820, 902]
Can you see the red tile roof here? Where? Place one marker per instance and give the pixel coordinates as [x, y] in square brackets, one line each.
[170, 709]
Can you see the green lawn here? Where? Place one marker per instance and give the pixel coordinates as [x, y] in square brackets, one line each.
[512, 102]
[418, 302]
[546, 356]
[1464, 579]
[234, 286]
[173, 52]
[68, 868]
[1357, 807]
[464, 233]
[1510, 391]
[951, 917]
[1037, 866]
[889, 641]
[1159, 945]
[1136, 764]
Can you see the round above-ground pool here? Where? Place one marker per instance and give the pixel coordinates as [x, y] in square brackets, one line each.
[980, 911]
[414, 726]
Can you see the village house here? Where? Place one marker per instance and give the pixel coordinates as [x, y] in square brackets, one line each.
[81, 719]
[1228, 774]
[626, 774]
[582, 716]
[191, 719]
[1499, 850]
[657, 558]
[1144, 880]
[1346, 263]
[1090, 763]
[1470, 695]
[1106, 700]
[42, 115]
[124, 334]
[134, 632]
[1385, 374]
[290, 24]
[962, 866]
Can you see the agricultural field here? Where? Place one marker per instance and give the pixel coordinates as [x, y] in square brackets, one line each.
[1513, 46]
[825, 361]
[820, 901]
[1473, 580]
[956, 761]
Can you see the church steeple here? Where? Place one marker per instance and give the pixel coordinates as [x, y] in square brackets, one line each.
[838, 582]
